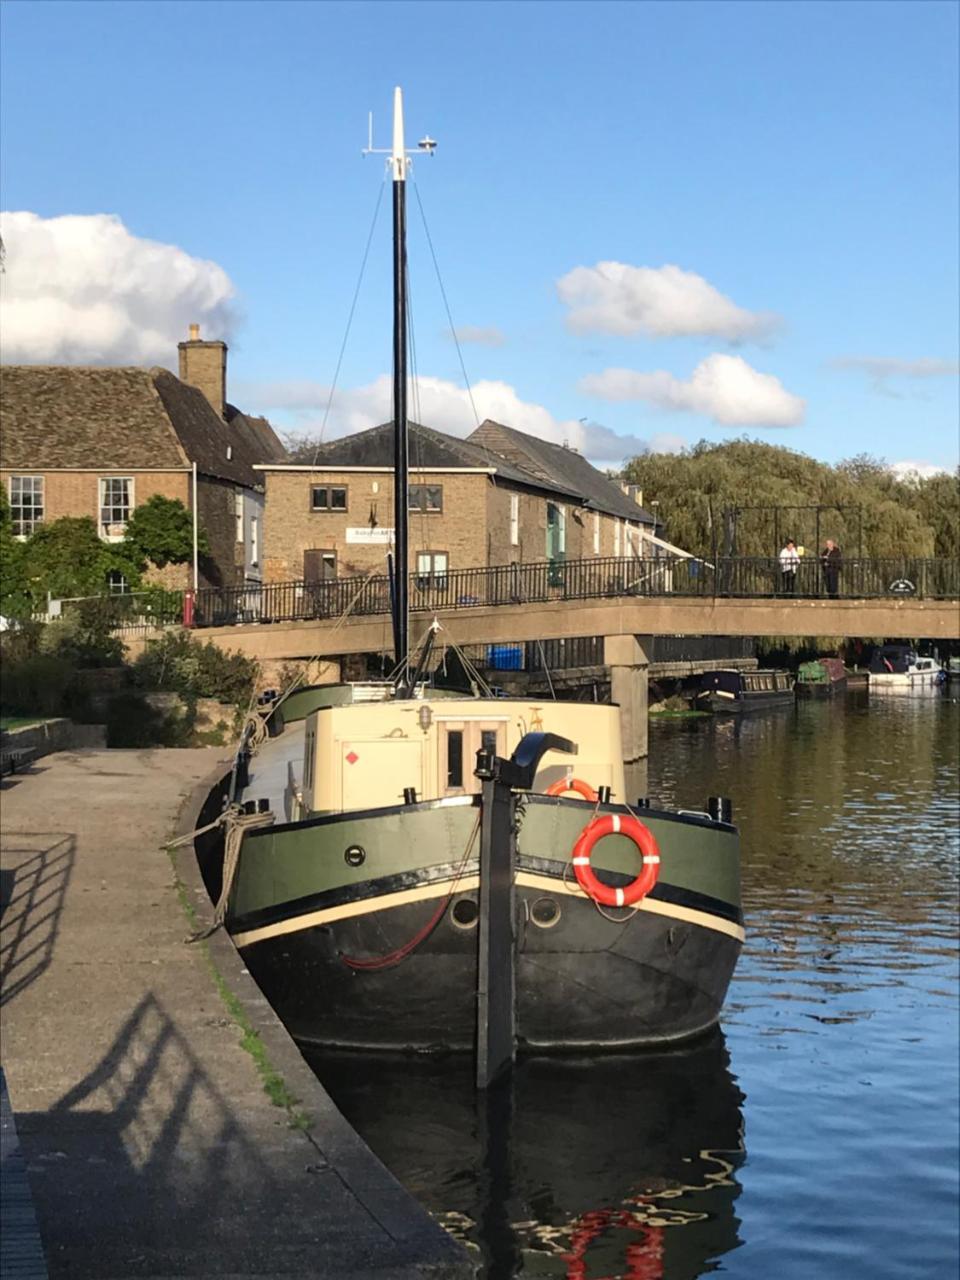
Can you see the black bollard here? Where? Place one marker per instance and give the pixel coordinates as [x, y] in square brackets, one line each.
[720, 808]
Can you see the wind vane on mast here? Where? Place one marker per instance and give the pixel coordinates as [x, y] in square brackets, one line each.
[399, 155]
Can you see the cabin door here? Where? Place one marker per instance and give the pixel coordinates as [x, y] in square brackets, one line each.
[460, 740]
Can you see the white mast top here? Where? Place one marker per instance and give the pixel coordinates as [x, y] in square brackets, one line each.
[399, 160]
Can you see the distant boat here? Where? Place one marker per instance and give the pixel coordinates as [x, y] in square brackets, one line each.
[899, 666]
[953, 669]
[736, 692]
[823, 678]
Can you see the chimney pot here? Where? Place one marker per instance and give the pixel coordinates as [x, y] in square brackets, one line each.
[194, 333]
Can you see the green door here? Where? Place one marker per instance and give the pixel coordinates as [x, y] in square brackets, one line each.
[556, 540]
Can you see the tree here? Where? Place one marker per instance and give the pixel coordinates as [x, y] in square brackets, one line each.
[160, 531]
[14, 597]
[67, 557]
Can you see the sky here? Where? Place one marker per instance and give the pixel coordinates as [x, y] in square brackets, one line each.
[653, 223]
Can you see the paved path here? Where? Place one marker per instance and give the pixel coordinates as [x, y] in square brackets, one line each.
[151, 1148]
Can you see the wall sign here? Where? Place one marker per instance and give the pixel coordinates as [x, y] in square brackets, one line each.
[370, 537]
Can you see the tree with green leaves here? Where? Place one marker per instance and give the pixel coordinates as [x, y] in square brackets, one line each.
[160, 531]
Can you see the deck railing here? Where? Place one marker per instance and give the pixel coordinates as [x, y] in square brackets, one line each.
[597, 578]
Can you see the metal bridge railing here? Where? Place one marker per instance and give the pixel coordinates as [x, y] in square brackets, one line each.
[596, 578]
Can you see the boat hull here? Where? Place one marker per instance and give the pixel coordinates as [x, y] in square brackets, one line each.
[744, 703]
[585, 979]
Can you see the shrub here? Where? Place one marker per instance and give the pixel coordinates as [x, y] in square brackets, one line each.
[196, 669]
[37, 683]
[132, 722]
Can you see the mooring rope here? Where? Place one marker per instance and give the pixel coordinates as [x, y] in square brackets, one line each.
[236, 824]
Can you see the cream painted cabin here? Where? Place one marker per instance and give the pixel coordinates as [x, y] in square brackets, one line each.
[364, 757]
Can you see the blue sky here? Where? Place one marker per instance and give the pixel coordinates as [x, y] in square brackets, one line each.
[654, 222]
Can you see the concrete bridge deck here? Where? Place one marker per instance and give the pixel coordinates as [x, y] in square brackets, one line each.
[619, 616]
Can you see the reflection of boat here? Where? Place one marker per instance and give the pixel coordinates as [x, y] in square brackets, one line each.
[368, 912]
[611, 1166]
[735, 692]
[899, 666]
[823, 678]
[953, 669]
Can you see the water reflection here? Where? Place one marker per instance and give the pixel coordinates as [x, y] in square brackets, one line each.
[614, 1167]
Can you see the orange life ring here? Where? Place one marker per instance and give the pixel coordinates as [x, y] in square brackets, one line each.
[608, 824]
[563, 785]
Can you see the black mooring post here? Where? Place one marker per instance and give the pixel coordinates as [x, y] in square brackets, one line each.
[496, 926]
[496, 978]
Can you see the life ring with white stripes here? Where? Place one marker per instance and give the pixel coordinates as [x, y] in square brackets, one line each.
[562, 785]
[608, 824]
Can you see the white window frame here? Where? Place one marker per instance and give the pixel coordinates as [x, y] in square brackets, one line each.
[103, 525]
[562, 531]
[432, 569]
[616, 537]
[514, 519]
[238, 512]
[254, 543]
[19, 531]
[596, 533]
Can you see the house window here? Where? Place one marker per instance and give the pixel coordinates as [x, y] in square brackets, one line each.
[596, 533]
[432, 569]
[628, 540]
[26, 504]
[616, 537]
[116, 501]
[238, 512]
[254, 542]
[328, 497]
[425, 497]
[514, 519]
[117, 584]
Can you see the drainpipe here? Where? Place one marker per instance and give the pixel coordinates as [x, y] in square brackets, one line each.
[196, 575]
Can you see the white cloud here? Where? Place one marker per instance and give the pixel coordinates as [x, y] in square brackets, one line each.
[439, 404]
[82, 289]
[879, 368]
[661, 302]
[490, 336]
[911, 470]
[724, 388]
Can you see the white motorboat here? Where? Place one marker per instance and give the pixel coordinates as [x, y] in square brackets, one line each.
[899, 666]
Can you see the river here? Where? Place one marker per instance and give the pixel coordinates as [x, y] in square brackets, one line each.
[817, 1134]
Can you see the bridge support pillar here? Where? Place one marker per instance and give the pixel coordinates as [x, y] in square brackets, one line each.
[626, 656]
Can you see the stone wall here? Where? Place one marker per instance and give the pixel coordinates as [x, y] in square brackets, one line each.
[216, 504]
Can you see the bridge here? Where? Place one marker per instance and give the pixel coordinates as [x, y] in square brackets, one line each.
[624, 601]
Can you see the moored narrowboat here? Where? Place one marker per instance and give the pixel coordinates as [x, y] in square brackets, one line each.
[823, 678]
[735, 692]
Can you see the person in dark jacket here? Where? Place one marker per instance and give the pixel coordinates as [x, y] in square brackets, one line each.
[831, 562]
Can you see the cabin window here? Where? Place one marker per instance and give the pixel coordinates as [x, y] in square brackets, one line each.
[455, 757]
[26, 504]
[324, 497]
[425, 497]
[432, 569]
[116, 501]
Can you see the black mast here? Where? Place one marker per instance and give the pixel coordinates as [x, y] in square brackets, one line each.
[400, 448]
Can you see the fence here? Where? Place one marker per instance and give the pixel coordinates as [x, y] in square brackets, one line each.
[598, 578]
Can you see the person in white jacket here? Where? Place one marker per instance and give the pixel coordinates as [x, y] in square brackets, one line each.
[789, 564]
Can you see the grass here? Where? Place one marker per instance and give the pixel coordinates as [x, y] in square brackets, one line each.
[679, 715]
[19, 722]
[274, 1086]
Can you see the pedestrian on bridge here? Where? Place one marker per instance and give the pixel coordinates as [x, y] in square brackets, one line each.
[831, 562]
[789, 565]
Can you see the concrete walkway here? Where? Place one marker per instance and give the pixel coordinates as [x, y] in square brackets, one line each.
[151, 1148]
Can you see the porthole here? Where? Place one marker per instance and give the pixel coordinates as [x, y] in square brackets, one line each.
[354, 855]
[464, 913]
[545, 912]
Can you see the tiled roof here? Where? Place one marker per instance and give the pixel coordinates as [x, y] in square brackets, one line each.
[560, 467]
[429, 448]
[61, 417]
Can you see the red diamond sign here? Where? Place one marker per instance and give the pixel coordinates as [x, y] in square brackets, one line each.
[352, 757]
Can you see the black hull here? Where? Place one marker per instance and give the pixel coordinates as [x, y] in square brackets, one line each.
[585, 983]
[746, 703]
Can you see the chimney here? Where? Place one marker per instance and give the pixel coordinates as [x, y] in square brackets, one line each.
[632, 491]
[204, 365]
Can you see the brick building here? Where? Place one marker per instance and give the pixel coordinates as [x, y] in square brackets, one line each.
[92, 441]
[496, 498]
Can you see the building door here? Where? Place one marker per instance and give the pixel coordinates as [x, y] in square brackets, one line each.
[556, 543]
[319, 566]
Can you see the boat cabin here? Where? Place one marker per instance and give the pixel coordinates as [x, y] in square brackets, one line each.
[736, 684]
[368, 755]
[898, 659]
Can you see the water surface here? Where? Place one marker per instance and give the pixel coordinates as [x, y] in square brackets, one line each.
[817, 1136]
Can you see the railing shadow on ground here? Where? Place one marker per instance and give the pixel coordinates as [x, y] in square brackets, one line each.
[167, 1168]
[37, 871]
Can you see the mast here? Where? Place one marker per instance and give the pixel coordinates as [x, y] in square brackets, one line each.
[399, 574]
[401, 606]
